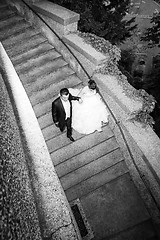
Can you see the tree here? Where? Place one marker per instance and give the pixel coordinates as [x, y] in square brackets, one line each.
[127, 59]
[103, 18]
[152, 34]
[152, 84]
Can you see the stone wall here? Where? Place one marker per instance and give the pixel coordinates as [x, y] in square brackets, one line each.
[19, 213]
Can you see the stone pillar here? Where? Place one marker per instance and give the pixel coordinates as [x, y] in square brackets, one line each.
[62, 20]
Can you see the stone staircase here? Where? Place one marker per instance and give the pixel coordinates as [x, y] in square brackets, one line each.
[92, 170]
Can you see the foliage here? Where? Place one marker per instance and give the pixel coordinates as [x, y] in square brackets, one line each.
[127, 59]
[152, 34]
[102, 45]
[106, 48]
[153, 79]
[143, 115]
[102, 17]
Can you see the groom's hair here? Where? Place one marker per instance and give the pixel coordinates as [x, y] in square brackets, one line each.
[64, 91]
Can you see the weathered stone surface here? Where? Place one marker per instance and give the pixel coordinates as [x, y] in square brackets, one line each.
[19, 215]
[56, 12]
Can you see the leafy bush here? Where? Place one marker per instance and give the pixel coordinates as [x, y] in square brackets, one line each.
[143, 115]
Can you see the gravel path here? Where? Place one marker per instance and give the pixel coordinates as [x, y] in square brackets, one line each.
[19, 217]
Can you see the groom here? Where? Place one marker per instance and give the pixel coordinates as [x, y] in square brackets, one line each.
[62, 111]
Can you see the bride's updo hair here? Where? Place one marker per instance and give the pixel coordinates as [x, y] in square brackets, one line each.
[92, 85]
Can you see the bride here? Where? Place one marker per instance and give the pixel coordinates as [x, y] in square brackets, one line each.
[89, 115]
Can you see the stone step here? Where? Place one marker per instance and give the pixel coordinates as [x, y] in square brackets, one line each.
[86, 157]
[10, 21]
[36, 62]
[59, 139]
[43, 69]
[92, 168]
[58, 142]
[44, 81]
[143, 230]
[50, 131]
[9, 31]
[116, 200]
[18, 39]
[24, 46]
[32, 53]
[3, 5]
[96, 181]
[52, 91]
[84, 143]
[45, 120]
[44, 107]
[5, 12]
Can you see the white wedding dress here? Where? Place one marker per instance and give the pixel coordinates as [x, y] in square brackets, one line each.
[88, 116]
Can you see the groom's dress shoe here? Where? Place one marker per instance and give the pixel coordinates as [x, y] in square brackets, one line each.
[71, 138]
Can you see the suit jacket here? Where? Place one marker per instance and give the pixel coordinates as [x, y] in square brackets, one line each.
[58, 111]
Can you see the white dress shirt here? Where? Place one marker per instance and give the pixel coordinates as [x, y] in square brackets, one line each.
[66, 105]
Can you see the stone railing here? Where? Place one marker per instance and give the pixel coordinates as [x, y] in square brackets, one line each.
[143, 143]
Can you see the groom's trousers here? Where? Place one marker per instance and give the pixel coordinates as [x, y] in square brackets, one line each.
[68, 125]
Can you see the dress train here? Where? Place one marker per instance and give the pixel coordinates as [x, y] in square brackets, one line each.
[91, 114]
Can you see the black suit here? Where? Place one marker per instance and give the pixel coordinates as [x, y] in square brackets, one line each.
[59, 114]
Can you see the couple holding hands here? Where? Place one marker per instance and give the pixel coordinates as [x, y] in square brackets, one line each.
[82, 110]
